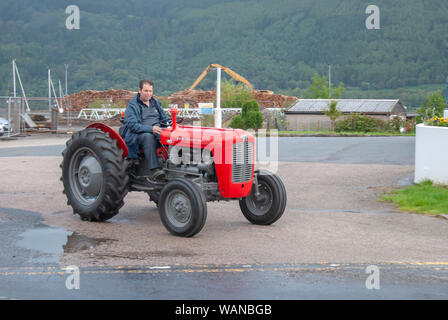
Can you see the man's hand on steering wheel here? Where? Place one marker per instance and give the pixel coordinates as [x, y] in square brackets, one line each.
[156, 129]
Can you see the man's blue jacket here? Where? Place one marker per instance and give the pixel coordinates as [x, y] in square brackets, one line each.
[133, 126]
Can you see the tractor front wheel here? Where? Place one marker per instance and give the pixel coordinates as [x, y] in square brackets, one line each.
[268, 205]
[183, 207]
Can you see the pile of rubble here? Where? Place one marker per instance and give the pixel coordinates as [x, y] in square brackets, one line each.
[83, 99]
[265, 98]
[192, 98]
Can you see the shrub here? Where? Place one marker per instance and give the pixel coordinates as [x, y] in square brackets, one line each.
[254, 120]
[250, 118]
[433, 106]
[358, 123]
[238, 122]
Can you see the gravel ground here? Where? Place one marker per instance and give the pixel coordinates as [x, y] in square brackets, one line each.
[332, 216]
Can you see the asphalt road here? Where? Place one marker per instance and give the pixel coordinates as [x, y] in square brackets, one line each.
[362, 150]
[332, 231]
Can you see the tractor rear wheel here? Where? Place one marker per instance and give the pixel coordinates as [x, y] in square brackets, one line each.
[269, 205]
[94, 175]
[183, 207]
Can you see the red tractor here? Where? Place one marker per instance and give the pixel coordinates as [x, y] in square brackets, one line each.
[200, 165]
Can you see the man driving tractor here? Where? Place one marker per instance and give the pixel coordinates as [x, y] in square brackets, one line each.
[99, 168]
[142, 127]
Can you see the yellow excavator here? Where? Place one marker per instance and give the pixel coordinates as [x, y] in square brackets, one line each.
[230, 72]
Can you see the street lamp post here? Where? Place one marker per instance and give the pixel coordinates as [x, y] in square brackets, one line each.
[218, 115]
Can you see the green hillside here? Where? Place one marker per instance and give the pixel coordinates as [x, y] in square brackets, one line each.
[277, 45]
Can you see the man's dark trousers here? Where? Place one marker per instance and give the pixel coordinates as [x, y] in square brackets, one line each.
[148, 142]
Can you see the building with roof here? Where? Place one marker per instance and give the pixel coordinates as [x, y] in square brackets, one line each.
[308, 114]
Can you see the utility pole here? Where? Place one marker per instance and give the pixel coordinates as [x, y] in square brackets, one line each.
[329, 80]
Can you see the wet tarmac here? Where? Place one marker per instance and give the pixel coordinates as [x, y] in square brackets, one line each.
[26, 238]
[343, 229]
[45, 239]
[361, 150]
[236, 282]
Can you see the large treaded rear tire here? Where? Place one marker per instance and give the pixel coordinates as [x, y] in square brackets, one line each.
[183, 207]
[270, 207]
[94, 175]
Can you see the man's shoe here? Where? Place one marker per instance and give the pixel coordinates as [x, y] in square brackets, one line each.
[157, 174]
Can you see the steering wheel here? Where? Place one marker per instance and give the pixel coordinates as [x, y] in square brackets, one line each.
[168, 122]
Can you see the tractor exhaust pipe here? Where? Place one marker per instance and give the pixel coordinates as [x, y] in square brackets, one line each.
[173, 112]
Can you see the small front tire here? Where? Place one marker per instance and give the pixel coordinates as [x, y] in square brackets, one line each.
[269, 205]
[183, 207]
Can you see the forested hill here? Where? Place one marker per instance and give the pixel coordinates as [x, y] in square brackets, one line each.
[276, 44]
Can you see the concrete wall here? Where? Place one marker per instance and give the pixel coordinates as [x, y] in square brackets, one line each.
[431, 154]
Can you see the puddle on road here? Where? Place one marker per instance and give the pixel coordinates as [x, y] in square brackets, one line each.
[77, 242]
[53, 241]
[44, 238]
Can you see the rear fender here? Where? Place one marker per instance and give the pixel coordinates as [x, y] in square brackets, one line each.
[114, 135]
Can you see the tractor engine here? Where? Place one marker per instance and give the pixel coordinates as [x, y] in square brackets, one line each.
[222, 159]
[192, 161]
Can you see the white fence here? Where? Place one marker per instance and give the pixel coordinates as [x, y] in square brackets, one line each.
[105, 113]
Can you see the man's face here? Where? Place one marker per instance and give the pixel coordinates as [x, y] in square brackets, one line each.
[146, 92]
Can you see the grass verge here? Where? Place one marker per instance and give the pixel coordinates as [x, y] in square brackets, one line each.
[330, 133]
[424, 197]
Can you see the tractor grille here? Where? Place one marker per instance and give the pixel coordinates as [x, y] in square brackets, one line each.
[242, 162]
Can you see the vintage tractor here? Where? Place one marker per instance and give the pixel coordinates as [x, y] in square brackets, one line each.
[200, 165]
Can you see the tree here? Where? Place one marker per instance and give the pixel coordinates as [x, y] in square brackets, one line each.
[432, 106]
[250, 118]
[333, 113]
[319, 89]
[233, 95]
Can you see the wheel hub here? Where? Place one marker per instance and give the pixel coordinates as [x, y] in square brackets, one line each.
[178, 208]
[90, 176]
[181, 209]
[261, 203]
[86, 176]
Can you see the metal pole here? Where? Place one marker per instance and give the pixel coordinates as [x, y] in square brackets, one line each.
[60, 93]
[49, 90]
[23, 91]
[218, 115]
[55, 96]
[9, 117]
[14, 77]
[66, 91]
